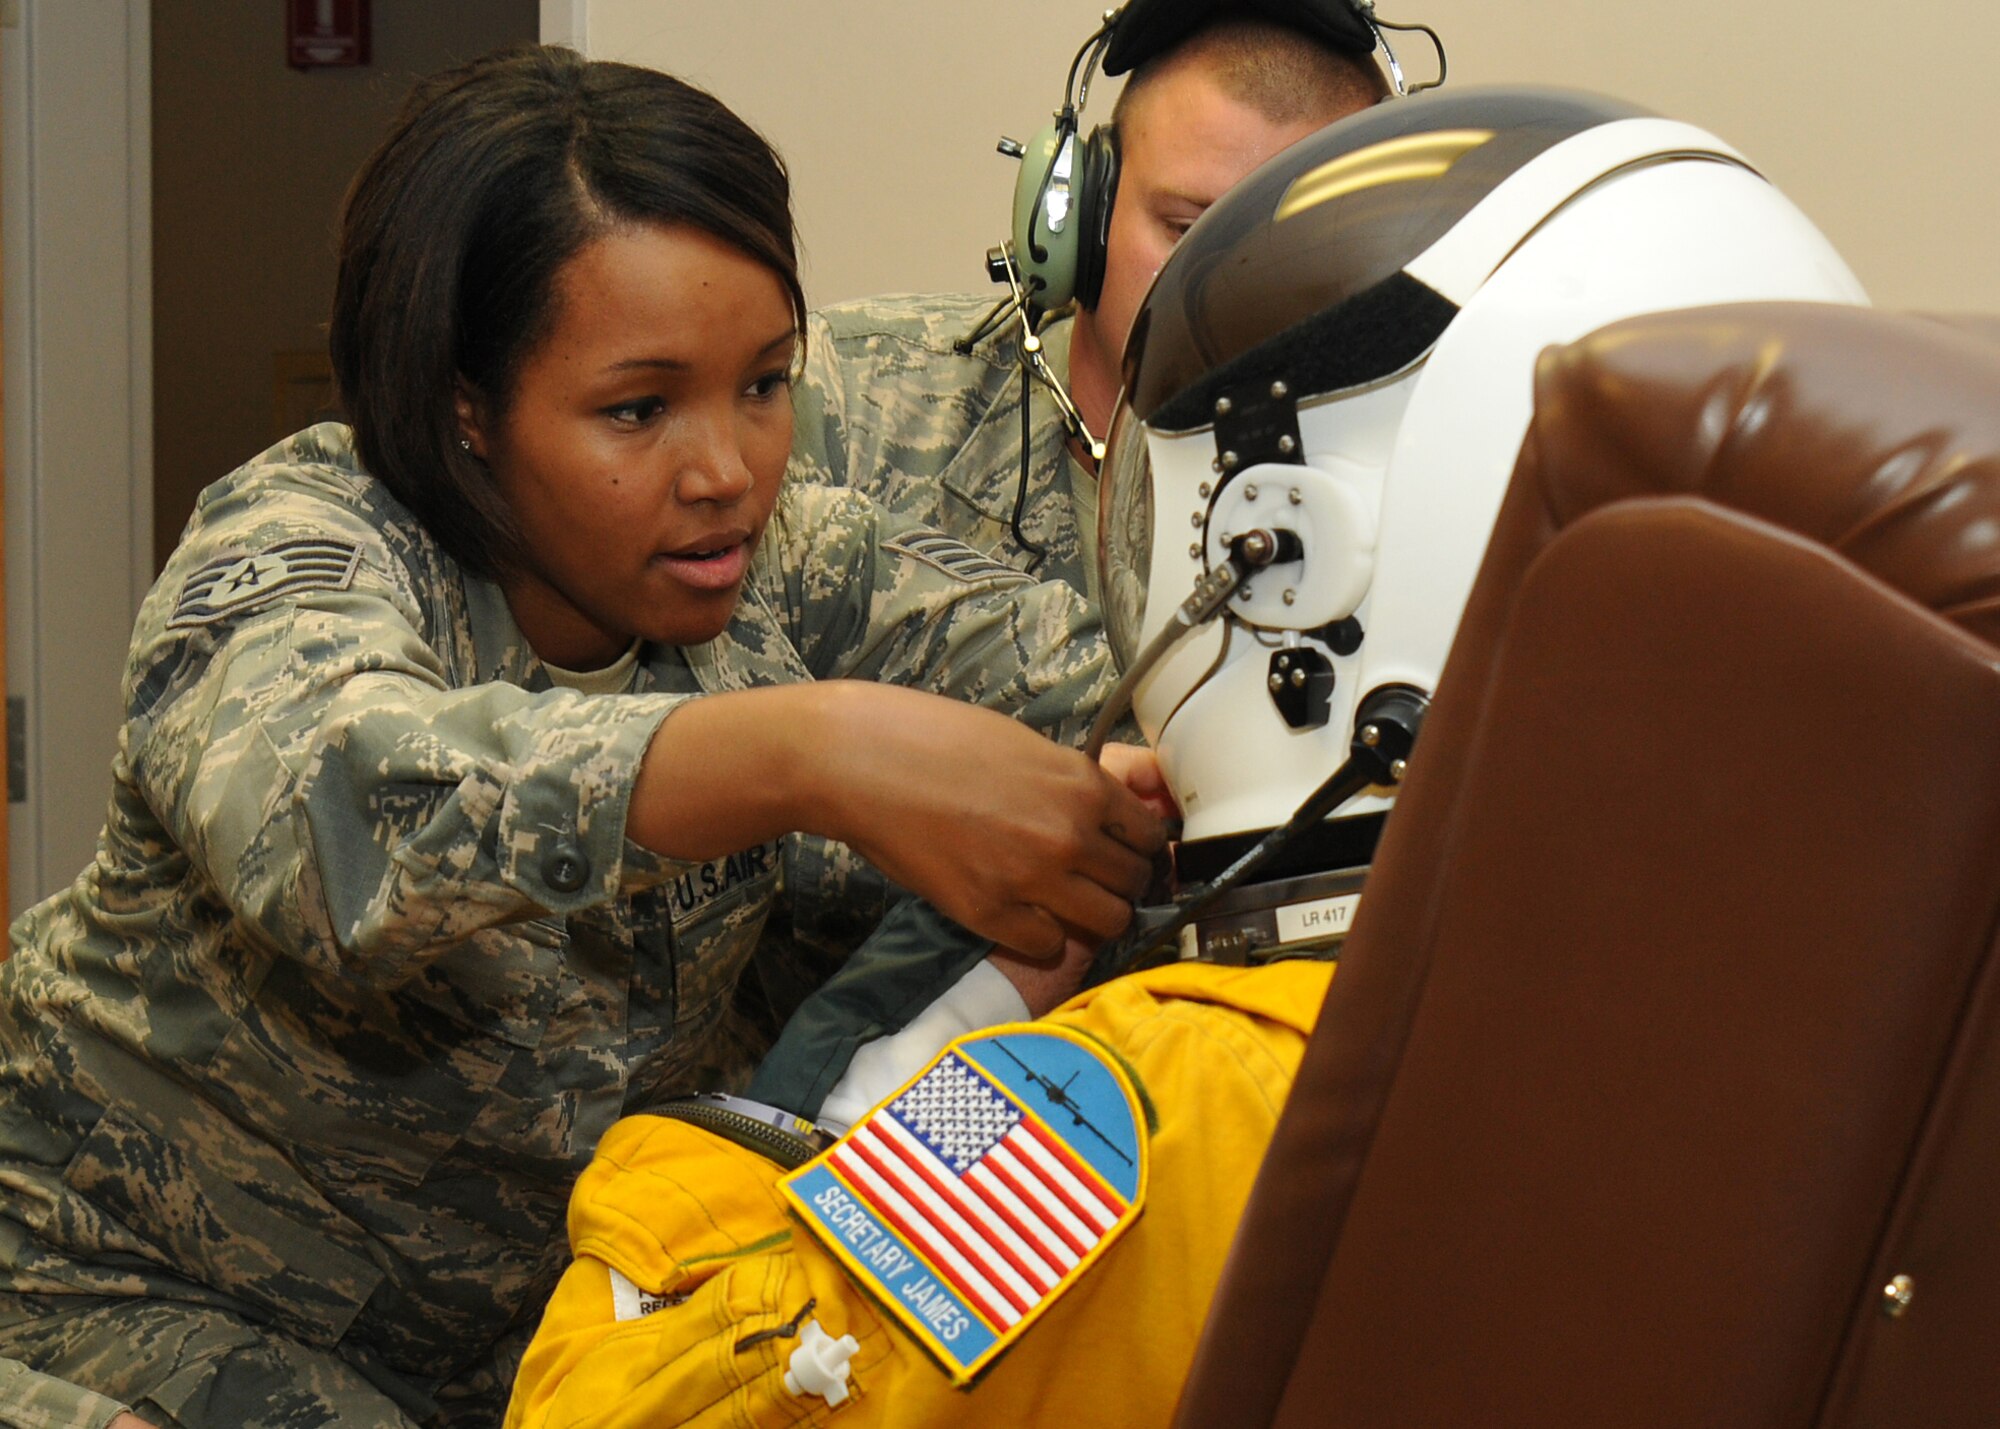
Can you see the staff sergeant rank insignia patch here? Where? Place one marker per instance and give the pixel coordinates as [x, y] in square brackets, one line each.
[229, 585]
[953, 557]
[984, 1189]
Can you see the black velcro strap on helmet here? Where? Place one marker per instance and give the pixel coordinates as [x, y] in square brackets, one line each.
[1145, 28]
[1366, 338]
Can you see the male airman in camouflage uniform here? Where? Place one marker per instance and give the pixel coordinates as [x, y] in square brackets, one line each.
[295, 1078]
[893, 403]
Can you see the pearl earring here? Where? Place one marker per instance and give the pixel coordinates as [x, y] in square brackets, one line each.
[464, 444]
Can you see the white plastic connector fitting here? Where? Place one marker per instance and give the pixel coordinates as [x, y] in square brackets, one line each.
[819, 1364]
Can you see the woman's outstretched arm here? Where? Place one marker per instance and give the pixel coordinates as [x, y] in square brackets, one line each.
[1019, 839]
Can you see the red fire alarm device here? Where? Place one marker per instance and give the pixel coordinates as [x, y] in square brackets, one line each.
[324, 33]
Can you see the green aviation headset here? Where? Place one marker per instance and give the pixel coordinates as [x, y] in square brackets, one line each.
[1069, 180]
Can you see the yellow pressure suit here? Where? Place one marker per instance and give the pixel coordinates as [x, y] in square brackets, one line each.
[684, 1303]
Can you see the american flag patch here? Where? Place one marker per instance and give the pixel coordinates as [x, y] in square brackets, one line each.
[974, 1197]
[953, 557]
[229, 585]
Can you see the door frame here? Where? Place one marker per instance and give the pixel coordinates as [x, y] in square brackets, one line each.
[76, 161]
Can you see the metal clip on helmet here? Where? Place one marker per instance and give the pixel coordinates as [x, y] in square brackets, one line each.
[1325, 391]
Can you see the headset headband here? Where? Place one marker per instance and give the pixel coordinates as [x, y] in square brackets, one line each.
[1145, 28]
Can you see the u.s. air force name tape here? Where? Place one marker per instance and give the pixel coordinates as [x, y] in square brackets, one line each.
[952, 556]
[229, 585]
[978, 1194]
[690, 892]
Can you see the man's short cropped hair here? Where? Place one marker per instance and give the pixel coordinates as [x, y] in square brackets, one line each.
[1283, 74]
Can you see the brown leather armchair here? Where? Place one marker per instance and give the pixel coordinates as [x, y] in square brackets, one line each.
[1660, 1082]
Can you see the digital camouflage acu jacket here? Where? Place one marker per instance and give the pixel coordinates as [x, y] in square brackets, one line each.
[365, 966]
[887, 405]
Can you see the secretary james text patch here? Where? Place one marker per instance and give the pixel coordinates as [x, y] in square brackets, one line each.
[977, 1195]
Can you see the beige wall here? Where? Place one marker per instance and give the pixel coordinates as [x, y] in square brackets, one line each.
[1877, 122]
[886, 111]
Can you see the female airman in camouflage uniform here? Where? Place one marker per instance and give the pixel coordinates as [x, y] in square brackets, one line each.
[456, 748]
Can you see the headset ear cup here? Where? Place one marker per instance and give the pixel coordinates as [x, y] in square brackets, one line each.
[1096, 193]
[1046, 257]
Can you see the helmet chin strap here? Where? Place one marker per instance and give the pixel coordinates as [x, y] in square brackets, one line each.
[1385, 730]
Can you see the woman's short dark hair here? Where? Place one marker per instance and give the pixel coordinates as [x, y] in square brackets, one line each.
[451, 236]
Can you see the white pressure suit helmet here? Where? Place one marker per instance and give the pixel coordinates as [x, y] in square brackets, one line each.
[1324, 394]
